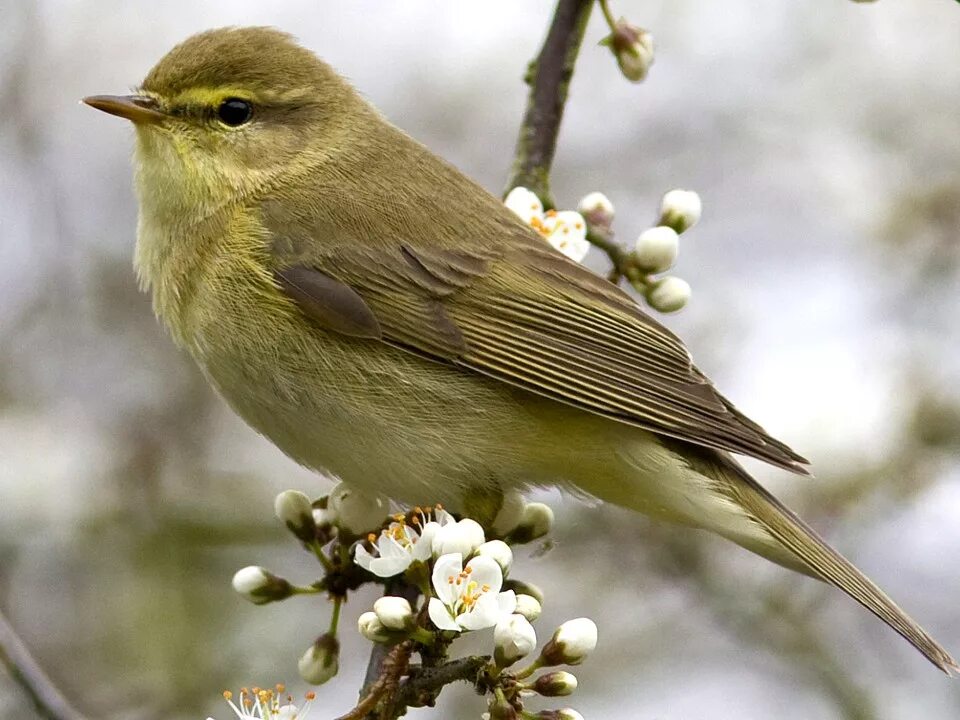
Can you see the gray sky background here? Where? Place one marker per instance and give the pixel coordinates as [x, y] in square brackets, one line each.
[823, 141]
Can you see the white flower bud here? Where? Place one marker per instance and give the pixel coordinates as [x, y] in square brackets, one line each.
[536, 522]
[394, 612]
[498, 551]
[597, 209]
[513, 638]
[528, 606]
[571, 643]
[669, 294]
[294, 510]
[356, 512]
[633, 48]
[656, 249]
[461, 537]
[509, 515]
[324, 517]
[524, 203]
[568, 714]
[260, 586]
[321, 661]
[371, 628]
[555, 684]
[680, 209]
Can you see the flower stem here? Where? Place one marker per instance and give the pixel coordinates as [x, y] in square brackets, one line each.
[335, 616]
[317, 549]
[607, 14]
[529, 670]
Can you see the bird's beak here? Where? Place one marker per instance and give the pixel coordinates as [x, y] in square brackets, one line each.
[138, 108]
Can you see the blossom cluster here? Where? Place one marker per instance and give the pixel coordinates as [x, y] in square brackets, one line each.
[462, 572]
[654, 252]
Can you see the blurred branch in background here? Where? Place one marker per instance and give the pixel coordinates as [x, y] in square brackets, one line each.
[47, 700]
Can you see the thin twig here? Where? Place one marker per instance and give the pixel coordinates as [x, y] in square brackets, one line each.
[549, 79]
[394, 665]
[49, 702]
[421, 688]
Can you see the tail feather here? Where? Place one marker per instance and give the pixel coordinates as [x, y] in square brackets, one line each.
[827, 564]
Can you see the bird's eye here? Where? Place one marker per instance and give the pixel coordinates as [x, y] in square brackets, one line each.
[235, 112]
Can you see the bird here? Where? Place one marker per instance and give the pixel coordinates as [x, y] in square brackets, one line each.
[384, 319]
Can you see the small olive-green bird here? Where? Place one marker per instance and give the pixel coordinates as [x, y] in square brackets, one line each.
[382, 318]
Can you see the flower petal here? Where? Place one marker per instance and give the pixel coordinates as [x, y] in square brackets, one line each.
[484, 570]
[390, 566]
[507, 602]
[524, 203]
[484, 613]
[444, 568]
[440, 616]
[423, 547]
[362, 557]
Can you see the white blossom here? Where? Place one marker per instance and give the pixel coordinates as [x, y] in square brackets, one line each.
[272, 704]
[513, 638]
[568, 714]
[571, 642]
[321, 661]
[394, 612]
[558, 683]
[371, 628]
[528, 606]
[461, 536]
[260, 586]
[680, 209]
[669, 294]
[356, 512]
[536, 521]
[656, 249]
[468, 598]
[510, 513]
[294, 510]
[565, 230]
[500, 552]
[596, 208]
[633, 48]
[400, 544]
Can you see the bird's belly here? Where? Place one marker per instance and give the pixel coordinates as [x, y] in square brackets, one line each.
[376, 416]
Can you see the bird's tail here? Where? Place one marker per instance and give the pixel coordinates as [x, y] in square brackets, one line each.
[820, 560]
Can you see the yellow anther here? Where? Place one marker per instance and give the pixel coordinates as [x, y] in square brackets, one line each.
[227, 695]
[311, 695]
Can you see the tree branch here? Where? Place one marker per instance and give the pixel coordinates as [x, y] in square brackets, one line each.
[549, 79]
[27, 673]
[422, 687]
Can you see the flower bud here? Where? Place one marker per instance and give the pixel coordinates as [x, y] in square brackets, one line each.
[555, 684]
[509, 515]
[356, 512]
[564, 714]
[633, 48]
[260, 586]
[656, 249]
[513, 638]
[528, 606]
[500, 709]
[394, 612]
[680, 209]
[294, 510]
[571, 643]
[597, 209]
[524, 203]
[462, 537]
[324, 518]
[669, 294]
[536, 522]
[499, 552]
[321, 661]
[520, 587]
[371, 628]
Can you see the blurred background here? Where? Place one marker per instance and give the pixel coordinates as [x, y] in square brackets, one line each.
[823, 141]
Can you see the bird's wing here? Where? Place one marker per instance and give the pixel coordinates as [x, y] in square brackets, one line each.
[525, 315]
